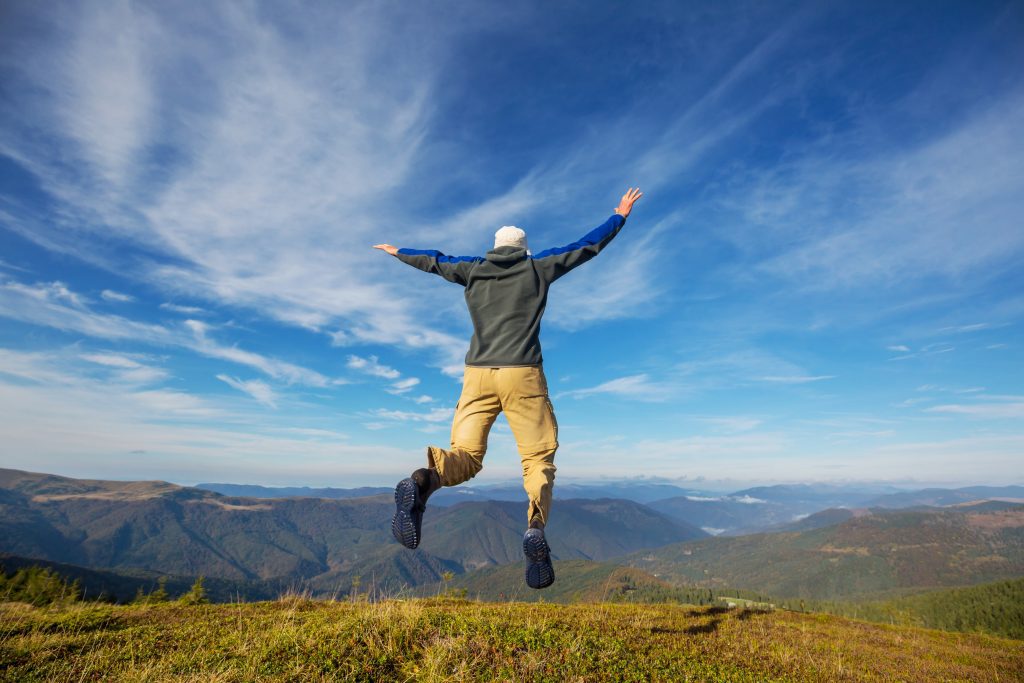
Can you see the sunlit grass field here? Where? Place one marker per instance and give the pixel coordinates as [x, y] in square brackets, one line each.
[446, 639]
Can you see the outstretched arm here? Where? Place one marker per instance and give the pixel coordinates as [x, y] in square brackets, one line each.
[451, 268]
[558, 261]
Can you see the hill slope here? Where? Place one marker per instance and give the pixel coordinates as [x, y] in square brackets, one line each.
[936, 497]
[873, 554]
[995, 608]
[577, 581]
[317, 543]
[445, 641]
[759, 509]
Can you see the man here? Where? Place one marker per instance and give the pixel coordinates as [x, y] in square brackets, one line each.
[506, 292]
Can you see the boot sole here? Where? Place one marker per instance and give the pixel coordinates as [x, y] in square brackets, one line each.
[539, 572]
[403, 525]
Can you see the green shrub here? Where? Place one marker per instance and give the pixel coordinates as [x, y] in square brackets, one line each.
[196, 595]
[38, 586]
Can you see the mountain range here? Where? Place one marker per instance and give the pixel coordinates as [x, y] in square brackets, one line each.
[326, 546]
[873, 552]
[314, 543]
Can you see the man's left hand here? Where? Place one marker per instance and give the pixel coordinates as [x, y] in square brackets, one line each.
[626, 205]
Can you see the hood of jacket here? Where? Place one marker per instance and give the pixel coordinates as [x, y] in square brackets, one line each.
[506, 255]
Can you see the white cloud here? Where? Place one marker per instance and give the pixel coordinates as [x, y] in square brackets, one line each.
[990, 411]
[90, 430]
[969, 176]
[747, 500]
[258, 389]
[113, 360]
[127, 370]
[111, 295]
[274, 166]
[639, 387]
[898, 347]
[186, 310]
[795, 379]
[278, 369]
[435, 415]
[974, 327]
[11, 266]
[372, 366]
[736, 423]
[403, 385]
[54, 305]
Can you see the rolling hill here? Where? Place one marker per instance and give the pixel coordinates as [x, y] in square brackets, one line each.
[940, 497]
[317, 544]
[457, 640]
[762, 508]
[996, 608]
[640, 492]
[883, 553]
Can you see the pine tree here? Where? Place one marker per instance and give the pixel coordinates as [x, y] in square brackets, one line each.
[196, 595]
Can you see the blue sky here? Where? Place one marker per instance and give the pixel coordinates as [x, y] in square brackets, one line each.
[822, 281]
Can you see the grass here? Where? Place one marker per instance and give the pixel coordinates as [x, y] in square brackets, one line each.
[440, 639]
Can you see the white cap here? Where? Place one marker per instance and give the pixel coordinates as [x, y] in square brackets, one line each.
[510, 236]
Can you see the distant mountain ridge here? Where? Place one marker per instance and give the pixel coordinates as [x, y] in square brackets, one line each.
[255, 491]
[640, 492]
[878, 553]
[941, 497]
[318, 543]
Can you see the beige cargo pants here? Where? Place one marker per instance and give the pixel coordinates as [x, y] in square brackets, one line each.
[522, 394]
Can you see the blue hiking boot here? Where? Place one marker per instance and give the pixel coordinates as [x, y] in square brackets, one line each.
[405, 525]
[539, 572]
[410, 501]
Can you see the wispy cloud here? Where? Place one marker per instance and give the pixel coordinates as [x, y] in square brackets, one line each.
[277, 369]
[267, 196]
[258, 389]
[111, 295]
[403, 386]
[733, 423]
[185, 310]
[795, 379]
[57, 418]
[435, 415]
[991, 411]
[924, 195]
[637, 387]
[127, 369]
[10, 266]
[54, 305]
[372, 366]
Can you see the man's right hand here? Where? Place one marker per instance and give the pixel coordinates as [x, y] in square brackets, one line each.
[626, 205]
[386, 247]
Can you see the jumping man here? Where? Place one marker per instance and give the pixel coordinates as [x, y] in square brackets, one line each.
[506, 292]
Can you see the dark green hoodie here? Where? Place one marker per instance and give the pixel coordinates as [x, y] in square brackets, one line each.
[507, 291]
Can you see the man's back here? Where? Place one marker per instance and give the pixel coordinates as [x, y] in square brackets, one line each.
[507, 292]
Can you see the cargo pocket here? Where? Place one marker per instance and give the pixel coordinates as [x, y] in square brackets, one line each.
[554, 420]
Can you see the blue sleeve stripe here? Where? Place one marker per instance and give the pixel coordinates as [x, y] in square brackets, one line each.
[441, 258]
[590, 239]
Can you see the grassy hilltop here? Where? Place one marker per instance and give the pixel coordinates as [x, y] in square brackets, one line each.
[453, 640]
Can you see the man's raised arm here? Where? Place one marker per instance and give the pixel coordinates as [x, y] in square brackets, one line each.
[558, 261]
[452, 268]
